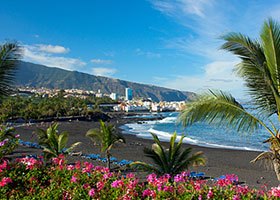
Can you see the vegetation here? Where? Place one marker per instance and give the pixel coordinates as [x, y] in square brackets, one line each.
[8, 141]
[33, 74]
[10, 53]
[54, 143]
[38, 108]
[170, 161]
[260, 69]
[85, 181]
[107, 136]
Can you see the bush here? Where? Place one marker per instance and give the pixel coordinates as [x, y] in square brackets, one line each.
[28, 178]
[8, 141]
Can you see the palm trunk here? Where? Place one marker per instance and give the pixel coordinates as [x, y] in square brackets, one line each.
[276, 165]
[108, 160]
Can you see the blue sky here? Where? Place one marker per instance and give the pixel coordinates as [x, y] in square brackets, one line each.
[170, 43]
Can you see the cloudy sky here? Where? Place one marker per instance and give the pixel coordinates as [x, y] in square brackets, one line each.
[170, 43]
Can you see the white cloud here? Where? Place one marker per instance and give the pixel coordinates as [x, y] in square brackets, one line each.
[187, 7]
[36, 55]
[52, 48]
[205, 21]
[216, 75]
[148, 54]
[100, 61]
[102, 71]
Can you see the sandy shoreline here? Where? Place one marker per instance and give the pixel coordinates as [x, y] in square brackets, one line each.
[219, 161]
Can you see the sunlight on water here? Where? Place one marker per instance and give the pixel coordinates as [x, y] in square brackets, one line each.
[199, 134]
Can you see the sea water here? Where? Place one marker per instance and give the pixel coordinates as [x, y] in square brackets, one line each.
[200, 134]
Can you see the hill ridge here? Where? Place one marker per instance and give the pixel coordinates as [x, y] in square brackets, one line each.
[36, 75]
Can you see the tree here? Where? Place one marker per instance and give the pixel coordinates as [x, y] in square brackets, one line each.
[107, 136]
[10, 53]
[260, 69]
[54, 143]
[170, 161]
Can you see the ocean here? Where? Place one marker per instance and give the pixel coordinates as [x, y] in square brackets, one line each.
[200, 134]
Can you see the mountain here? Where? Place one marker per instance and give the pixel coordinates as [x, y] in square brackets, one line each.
[34, 75]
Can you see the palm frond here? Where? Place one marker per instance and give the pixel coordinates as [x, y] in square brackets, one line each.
[145, 167]
[94, 134]
[53, 142]
[266, 159]
[270, 36]
[62, 140]
[161, 166]
[171, 160]
[171, 151]
[222, 109]
[253, 70]
[10, 53]
[72, 147]
[159, 149]
[188, 160]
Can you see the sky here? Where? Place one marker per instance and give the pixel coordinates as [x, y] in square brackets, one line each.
[169, 43]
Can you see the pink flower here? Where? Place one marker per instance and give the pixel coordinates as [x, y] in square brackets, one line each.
[29, 162]
[73, 179]
[132, 184]
[59, 161]
[86, 186]
[88, 167]
[235, 197]
[78, 165]
[102, 169]
[70, 167]
[179, 178]
[149, 193]
[168, 189]
[227, 180]
[2, 143]
[5, 181]
[17, 136]
[130, 175]
[197, 186]
[91, 192]
[107, 175]
[99, 185]
[275, 191]
[117, 184]
[4, 165]
[151, 177]
[242, 189]
[126, 197]
[210, 194]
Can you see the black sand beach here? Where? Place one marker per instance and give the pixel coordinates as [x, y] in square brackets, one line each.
[219, 161]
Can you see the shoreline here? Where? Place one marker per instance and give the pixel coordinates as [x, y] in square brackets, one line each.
[219, 161]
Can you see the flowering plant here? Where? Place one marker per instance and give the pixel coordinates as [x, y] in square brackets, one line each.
[8, 141]
[30, 178]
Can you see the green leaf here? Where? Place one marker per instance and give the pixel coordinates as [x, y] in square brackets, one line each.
[222, 109]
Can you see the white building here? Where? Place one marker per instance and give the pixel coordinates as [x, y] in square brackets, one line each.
[114, 96]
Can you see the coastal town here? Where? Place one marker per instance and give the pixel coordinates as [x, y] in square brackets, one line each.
[126, 103]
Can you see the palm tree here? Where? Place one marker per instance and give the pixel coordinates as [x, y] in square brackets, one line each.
[260, 69]
[10, 53]
[170, 161]
[54, 143]
[107, 136]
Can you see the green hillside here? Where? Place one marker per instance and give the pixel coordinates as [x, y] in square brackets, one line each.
[34, 75]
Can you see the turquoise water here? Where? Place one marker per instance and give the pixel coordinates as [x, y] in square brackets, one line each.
[199, 134]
